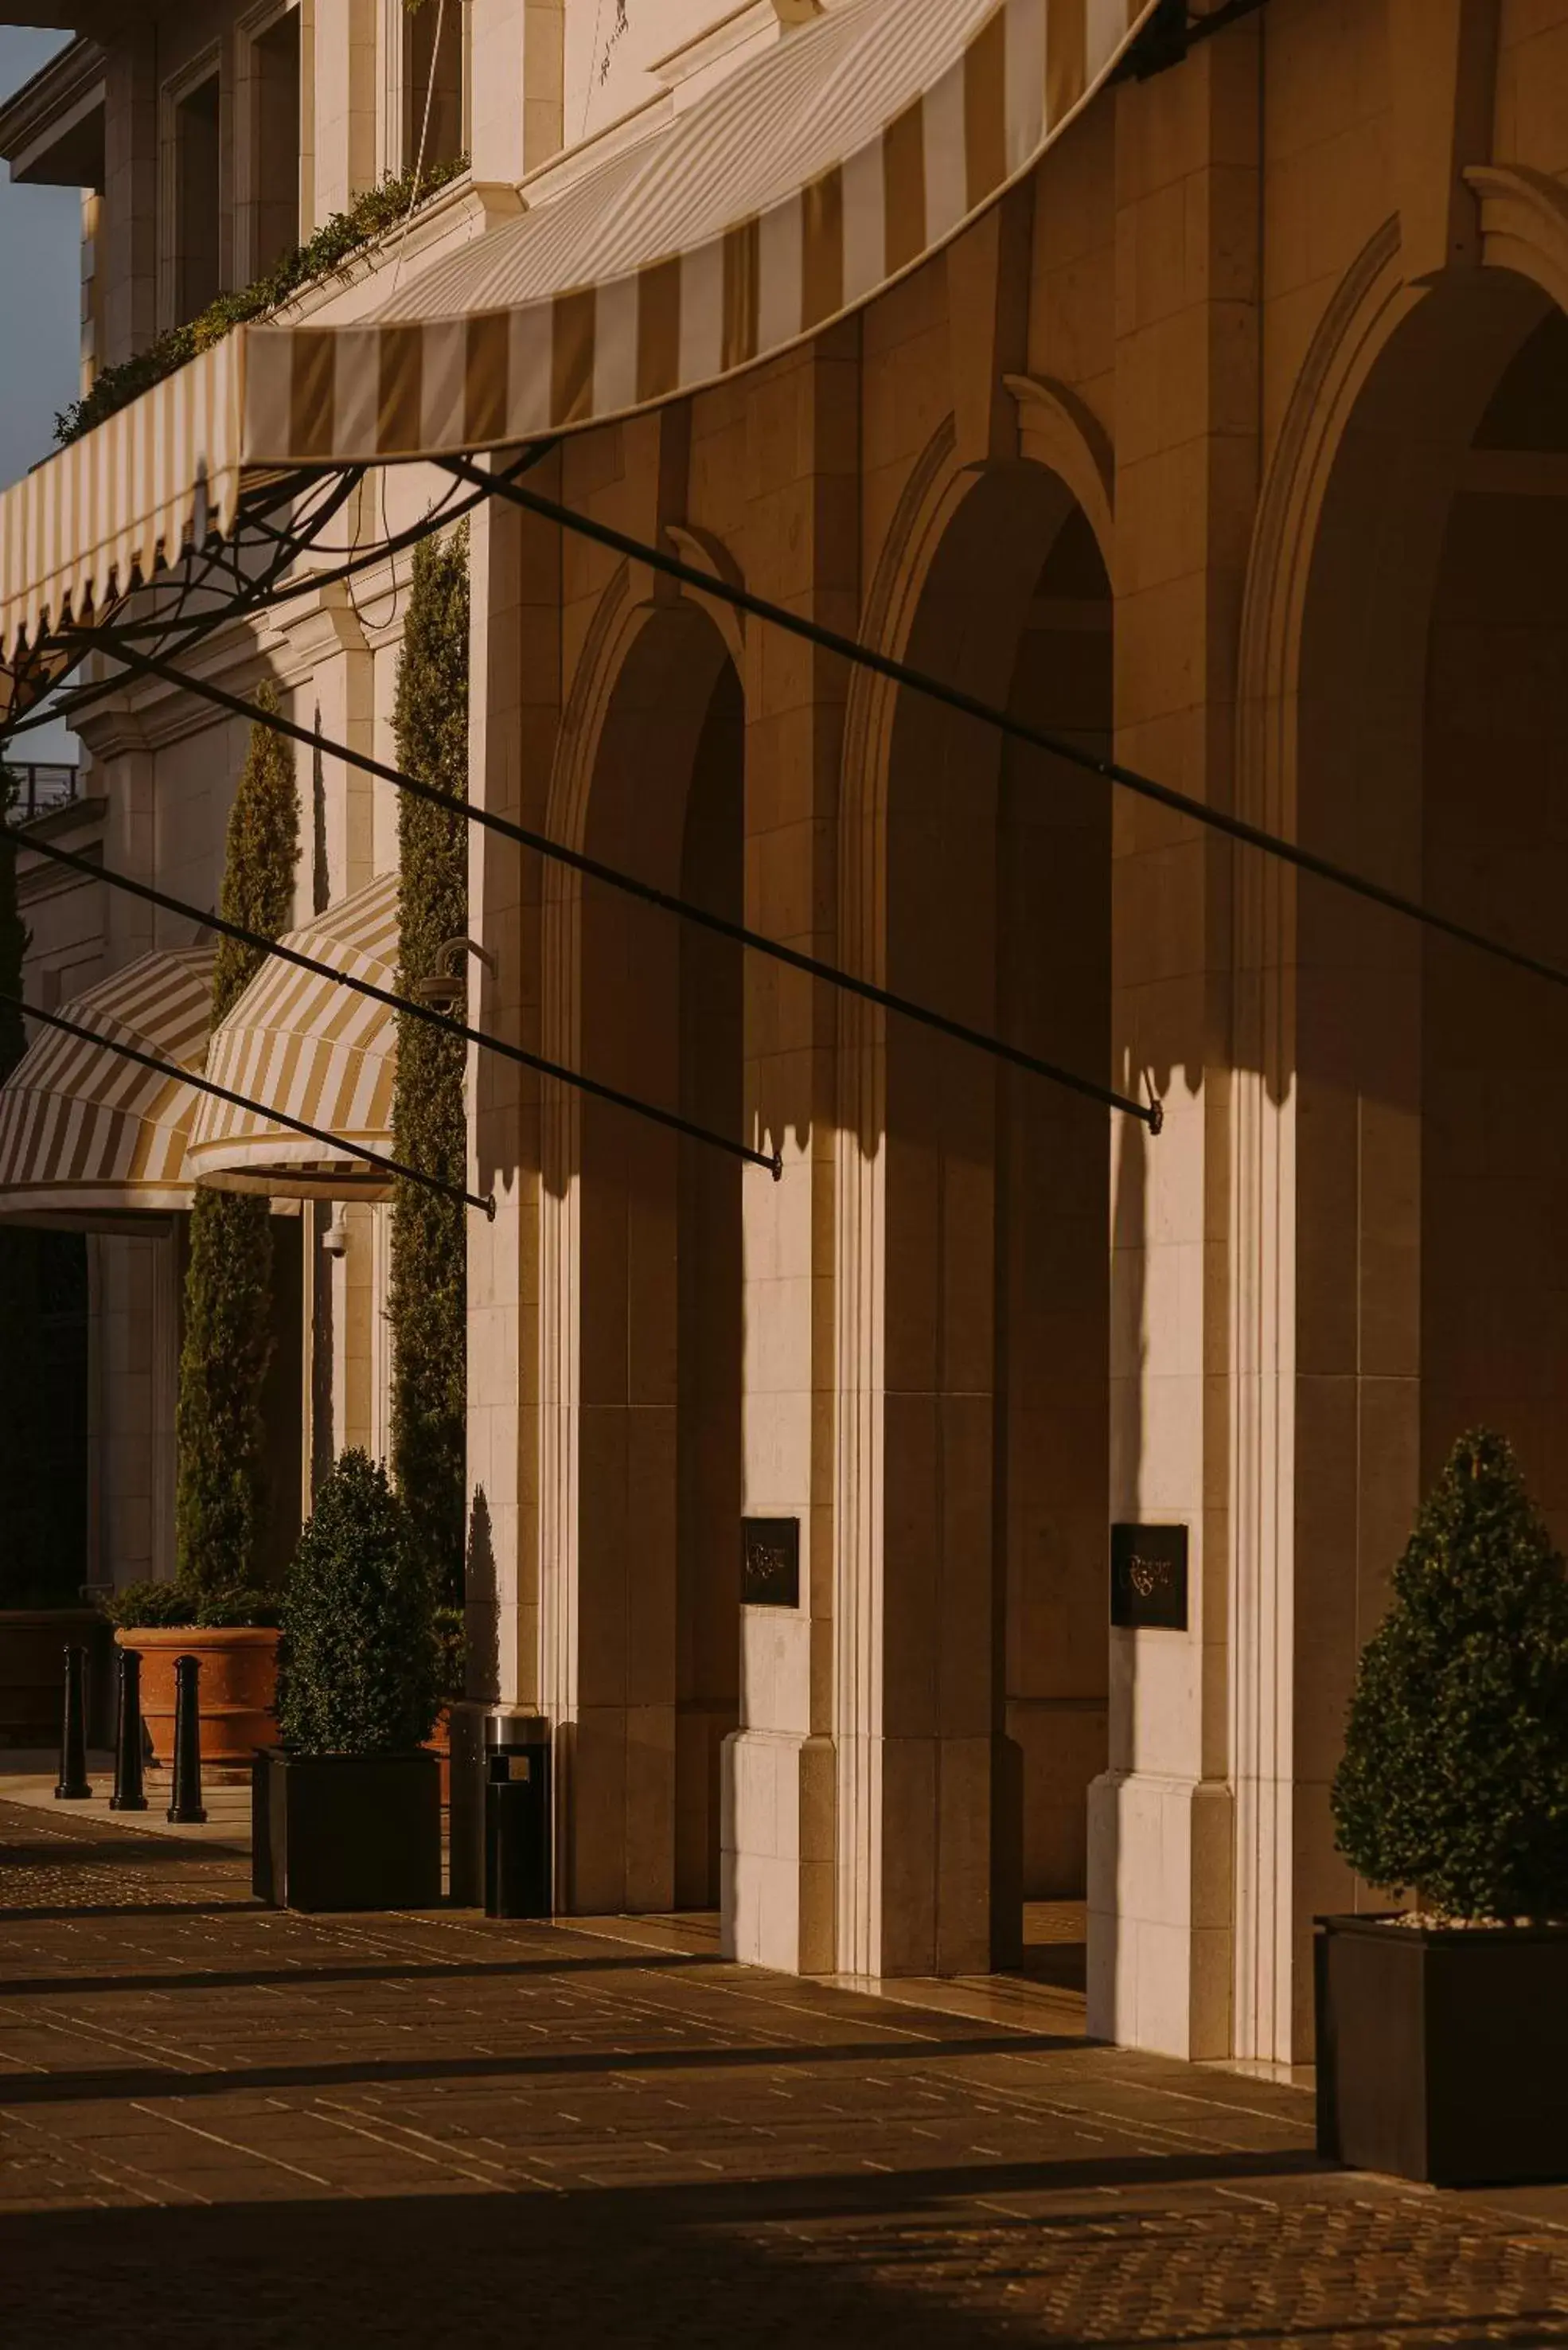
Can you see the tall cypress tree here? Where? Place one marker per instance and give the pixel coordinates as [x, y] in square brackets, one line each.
[429, 1273]
[21, 1499]
[219, 1496]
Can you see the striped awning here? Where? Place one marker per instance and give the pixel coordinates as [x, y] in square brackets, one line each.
[314, 1050]
[81, 529]
[88, 1138]
[817, 174]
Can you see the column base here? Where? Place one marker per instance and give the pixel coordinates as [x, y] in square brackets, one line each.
[776, 1857]
[1159, 1930]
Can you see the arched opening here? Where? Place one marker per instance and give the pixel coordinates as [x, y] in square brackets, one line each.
[1429, 1185]
[996, 1409]
[658, 1306]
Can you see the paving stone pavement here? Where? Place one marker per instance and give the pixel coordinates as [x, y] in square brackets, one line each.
[222, 2123]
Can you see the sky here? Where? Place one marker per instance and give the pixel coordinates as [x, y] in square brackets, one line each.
[40, 311]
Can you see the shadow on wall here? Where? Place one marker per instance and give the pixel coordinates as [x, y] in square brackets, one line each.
[1130, 1347]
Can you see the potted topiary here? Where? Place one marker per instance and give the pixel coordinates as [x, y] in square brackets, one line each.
[233, 1634]
[1442, 2033]
[347, 1813]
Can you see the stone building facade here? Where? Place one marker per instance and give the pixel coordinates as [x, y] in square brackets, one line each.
[1231, 439]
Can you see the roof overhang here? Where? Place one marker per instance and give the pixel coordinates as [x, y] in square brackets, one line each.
[51, 129]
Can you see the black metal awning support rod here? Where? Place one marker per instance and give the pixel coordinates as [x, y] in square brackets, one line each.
[1016, 730]
[593, 869]
[428, 1013]
[243, 1101]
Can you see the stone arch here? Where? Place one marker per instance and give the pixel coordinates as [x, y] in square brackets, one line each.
[1335, 747]
[636, 1671]
[926, 1763]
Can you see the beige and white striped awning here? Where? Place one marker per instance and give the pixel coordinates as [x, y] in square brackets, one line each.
[817, 174]
[88, 1138]
[314, 1050]
[80, 530]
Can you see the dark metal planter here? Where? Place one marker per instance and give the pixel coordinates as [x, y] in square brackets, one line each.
[345, 1831]
[1443, 2052]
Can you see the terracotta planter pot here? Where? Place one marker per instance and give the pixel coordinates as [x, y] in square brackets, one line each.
[237, 1688]
[33, 1641]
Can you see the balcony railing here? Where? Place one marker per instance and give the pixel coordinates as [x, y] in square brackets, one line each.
[35, 786]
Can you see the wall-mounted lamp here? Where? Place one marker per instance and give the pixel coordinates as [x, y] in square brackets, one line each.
[447, 987]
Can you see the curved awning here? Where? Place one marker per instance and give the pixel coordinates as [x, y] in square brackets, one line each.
[813, 177]
[94, 1141]
[314, 1050]
[81, 528]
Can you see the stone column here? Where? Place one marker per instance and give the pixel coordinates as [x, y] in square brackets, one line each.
[128, 264]
[1161, 1832]
[516, 75]
[514, 716]
[345, 104]
[778, 1784]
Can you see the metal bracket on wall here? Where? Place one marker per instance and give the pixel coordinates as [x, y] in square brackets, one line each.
[1172, 31]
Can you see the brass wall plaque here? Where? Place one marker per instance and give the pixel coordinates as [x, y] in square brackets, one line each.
[1148, 1579]
[769, 1562]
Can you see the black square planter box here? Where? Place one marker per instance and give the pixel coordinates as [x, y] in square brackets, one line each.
[345, 1831]
[1443, 2052]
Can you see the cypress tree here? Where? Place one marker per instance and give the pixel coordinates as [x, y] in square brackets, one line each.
[219, 1496]
[427, 1291]
[1454, 1781]
[21, 1499]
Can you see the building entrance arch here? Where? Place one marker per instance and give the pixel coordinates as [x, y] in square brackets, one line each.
[1401, 706]
[973, 1309]
[642, 1269]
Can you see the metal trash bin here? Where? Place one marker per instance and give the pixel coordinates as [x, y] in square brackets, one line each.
[518, 1820]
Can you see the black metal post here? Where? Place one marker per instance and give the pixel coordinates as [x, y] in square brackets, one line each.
[186, 1806]
[72, 1786]
[128, 1795]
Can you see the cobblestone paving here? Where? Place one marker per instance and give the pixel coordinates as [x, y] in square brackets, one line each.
[218, 2123]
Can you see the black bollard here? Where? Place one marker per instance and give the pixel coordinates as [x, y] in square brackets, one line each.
[73, 1786]
[128, 1728]
[186, 1807]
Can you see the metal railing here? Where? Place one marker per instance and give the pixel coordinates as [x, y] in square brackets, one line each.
[31, 787]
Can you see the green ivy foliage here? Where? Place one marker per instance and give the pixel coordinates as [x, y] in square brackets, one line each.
[358, 1663]
[428, 1289]
[371, 216]
[1454, 1782]
[220, 1500]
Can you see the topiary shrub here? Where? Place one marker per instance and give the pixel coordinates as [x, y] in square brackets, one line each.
[357, 1664]
[219, 1436]
[1454, 1782]
[428, 1290]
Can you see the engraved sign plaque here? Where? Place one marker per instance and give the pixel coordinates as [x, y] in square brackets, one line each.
[1148, 1579]
[769, 1562]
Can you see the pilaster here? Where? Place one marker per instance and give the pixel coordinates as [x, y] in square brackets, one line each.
[515, 717]
[779, 1802]
[517, 67]
[1160, 1819]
